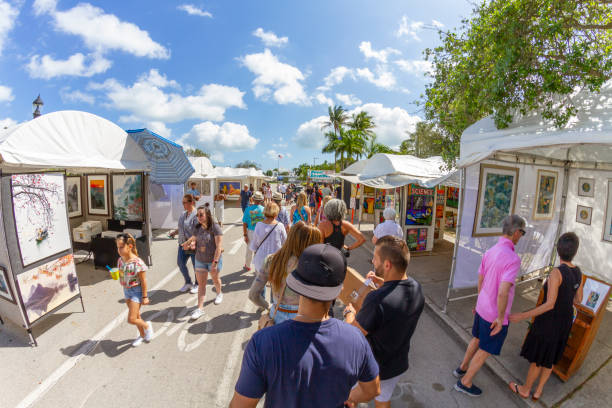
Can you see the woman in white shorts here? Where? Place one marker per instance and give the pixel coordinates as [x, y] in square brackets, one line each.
[219, 207]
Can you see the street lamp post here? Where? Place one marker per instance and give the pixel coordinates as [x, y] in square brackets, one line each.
[38, 102]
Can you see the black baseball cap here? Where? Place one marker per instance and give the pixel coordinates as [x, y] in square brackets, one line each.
[320, 273]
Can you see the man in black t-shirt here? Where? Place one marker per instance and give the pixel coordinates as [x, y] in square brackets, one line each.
[389, 314]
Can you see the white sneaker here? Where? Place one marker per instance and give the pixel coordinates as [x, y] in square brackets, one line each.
[148, 333]
[185, 288]
[137, 342]
[219, 299]
[197, 313]
[194, 289]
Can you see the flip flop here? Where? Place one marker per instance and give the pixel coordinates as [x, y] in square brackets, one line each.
[514, 388]
[534, 398]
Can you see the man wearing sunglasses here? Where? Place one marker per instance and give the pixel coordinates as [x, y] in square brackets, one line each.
[496, 275]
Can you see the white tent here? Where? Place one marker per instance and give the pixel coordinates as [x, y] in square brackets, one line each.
[532, 146]
[202, 165]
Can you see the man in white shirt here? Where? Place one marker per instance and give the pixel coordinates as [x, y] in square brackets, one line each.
[388, 227]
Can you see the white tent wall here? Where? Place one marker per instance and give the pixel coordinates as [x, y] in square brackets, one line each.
[165, 203]
[535, 248]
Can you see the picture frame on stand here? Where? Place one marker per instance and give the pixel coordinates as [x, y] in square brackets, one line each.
[97, 194]
[497, 190]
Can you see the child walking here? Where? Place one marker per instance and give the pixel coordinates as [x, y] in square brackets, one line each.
[133, 279]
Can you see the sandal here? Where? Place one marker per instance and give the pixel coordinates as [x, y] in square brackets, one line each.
[514, 388]
[534, 398]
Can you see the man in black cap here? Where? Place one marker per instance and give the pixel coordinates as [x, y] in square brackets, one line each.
[312, 360]
[389, 314]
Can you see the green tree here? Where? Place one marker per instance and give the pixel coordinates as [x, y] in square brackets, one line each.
[424, 142]
[337, 118]
[362, 124]
[374, 147]
[196, 152]
[515, 56]
[248, 164]
[351, 145]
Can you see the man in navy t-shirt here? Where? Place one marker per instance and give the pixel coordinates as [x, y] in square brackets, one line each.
[312, 360]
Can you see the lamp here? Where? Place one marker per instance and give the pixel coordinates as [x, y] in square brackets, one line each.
[38, 102]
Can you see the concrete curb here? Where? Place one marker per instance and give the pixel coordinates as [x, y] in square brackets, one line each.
[462, 337]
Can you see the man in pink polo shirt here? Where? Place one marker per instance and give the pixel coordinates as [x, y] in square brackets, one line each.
[496, 277]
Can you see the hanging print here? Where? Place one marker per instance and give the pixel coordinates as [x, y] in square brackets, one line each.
[420, 205]
[586, 187]
[73, 196]
[128, 204]
[496, 198]
[546, 190]
[97, 193]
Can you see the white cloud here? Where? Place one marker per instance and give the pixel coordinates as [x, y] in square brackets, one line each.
[337, 75]
[437, 24]
[270, 39]
[229, 137]
[274, 78]
[273, 155]
[47, 67]
[147, 100]
[160, 128]
[383, 79]
[348, 100]
[412, 29]
[7, 123]
[416, 67]
[310, 135]
[102, 32]
[8, 15]
[323, 99]
[366, 48]
[76, 96]
[6, 94]
[391, 123]
[194, 11]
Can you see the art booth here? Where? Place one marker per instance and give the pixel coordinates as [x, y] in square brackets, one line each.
[227, 180]
[70, 180]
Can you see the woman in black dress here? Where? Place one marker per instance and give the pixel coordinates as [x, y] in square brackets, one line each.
[551, 328]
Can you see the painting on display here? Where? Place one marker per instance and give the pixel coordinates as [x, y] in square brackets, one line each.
[452, 197]
[229, 187]
[97, 194]
[128, 203]
[379, 204]
[48, 286]
[205, 187]
[584, 214]
[390, 200]
[41, 222]
[420, 205]
[496, 198]
[73, 196]
[546, 190]
[5, 287]
[594, 294]
[607, 234]
[416, 239]
[586, 187]
[368, 205]
[368, 191]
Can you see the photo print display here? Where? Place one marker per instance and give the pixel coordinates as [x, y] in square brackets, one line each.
[496, 198]
[73, 196]
[546, 191]
[41, 222]
[48, 286]
[584, 214]
[229, 188]
[420, 205]
[607, 233]
[416, 239]
[5, 287]
[128, 203]
[594, 294]
[586, 187]
[97, 194]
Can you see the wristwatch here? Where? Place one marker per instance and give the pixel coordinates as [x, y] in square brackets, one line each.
[347, 311]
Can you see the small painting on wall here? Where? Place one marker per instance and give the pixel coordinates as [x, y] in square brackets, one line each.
[586, 187]
[584, 214]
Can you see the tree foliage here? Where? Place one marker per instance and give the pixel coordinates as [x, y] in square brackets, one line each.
[373, 147]
[248, 164]
[196, 152]
[424, 142]
[515, 56]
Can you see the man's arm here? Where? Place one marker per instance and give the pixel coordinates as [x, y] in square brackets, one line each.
[365, 391]
[240, 401]
[350, 318]
[502, 302]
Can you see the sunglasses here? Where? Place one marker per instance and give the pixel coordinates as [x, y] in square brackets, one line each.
[522, 231]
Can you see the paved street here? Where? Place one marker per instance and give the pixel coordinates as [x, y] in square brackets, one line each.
[189, 363]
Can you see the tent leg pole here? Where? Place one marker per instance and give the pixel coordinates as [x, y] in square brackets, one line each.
[82, 304]
[561, 212]
[33, 342]
[457, 236]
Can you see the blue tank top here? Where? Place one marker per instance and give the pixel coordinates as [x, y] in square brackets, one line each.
[300, 215]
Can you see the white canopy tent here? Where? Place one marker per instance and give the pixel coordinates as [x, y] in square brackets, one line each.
[581, 150]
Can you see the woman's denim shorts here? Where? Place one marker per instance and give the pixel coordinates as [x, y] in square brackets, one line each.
[208, 265]
[134, 294]
[280, 316]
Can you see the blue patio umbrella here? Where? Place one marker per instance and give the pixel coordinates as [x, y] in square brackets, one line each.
[168, 159]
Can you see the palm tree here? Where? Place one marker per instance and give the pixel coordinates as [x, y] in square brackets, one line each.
[350, 145]
[363, 124]
[374, 147]
[337, 118]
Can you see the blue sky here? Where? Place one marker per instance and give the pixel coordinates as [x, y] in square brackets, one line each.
[238, 79]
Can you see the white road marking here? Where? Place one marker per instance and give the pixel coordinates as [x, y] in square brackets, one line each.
[85, 349]
[233, 225]
[236, 246]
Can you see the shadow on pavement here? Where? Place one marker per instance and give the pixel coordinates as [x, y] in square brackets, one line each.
[224, 323]
[109, 347]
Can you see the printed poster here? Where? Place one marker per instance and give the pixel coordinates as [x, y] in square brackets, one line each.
[420, 205]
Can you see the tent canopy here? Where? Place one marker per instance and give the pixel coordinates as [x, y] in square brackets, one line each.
[391, 170]
[202, 166]
[587, 138]
[232, 173]
[72, 140]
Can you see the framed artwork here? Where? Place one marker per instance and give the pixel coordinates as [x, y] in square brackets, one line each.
[584, 214]
[452, 197]
[5, 287]
[73, 196]
[496, 198]
[48, 286]
[607, 234]
[229, 188]
[97, 194]
[416, 239]
[586, 187]
[128, 202]
[39, 210]
[206, 188]
[420, 205]
[594, 294]
[379, 202]
[546, 191]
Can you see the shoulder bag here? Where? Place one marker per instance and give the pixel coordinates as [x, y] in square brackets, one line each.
[266, 237]
[266, 320]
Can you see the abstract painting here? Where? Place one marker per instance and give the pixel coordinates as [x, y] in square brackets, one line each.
[5, 287]
[229, 187]
[586, 187]
[496, 198]
[39, 207]
[73, 196]
[48, 286]
[546, 190]
[128, 203]
[607, 234]
[584, 214]
[97, 193]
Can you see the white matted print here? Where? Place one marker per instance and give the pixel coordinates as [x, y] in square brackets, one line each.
[607, 233]
[586, 187]
[496, 198]
[73, 196]
[97, 194]
[546, 191]
[48, 286]
[594, 293]
[41, 220]
[5, 287]
[584, 214]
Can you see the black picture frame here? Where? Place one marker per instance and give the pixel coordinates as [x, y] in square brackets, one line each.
[7, 294]
[107, 188]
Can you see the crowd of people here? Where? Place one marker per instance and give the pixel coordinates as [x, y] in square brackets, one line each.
[309, 357]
